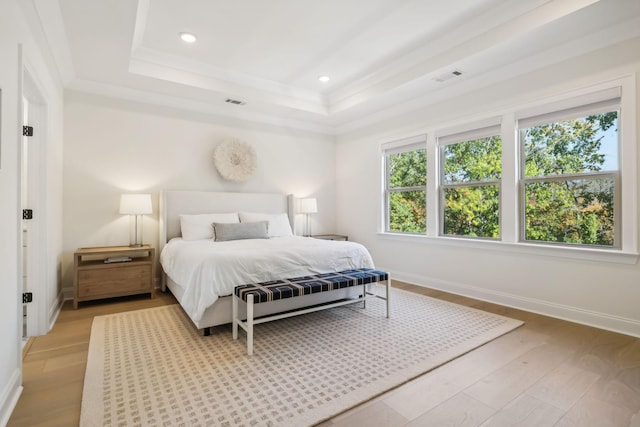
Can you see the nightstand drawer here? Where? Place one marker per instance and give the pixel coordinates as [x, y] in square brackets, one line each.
[107, 281]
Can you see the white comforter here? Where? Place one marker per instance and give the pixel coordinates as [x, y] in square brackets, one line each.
[208, 270]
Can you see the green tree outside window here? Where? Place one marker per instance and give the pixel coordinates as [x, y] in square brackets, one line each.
[407, 195]
[572, 201]
[472, 209]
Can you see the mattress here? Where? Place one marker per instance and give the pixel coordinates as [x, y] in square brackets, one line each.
[206, 270]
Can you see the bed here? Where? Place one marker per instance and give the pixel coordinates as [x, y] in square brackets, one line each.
[201, 273]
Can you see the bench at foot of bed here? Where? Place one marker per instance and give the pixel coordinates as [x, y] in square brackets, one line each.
[266, 292]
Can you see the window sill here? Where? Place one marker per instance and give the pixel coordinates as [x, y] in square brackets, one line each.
[589, 254]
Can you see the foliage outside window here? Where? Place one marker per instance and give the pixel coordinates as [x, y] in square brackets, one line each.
[405, 189]
[470, 190]
[570, 178]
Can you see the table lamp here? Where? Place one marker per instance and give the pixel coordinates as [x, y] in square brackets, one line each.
[135, 205]
[308, 206]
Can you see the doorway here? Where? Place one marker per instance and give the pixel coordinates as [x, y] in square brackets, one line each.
[33, 238]
[24, 147]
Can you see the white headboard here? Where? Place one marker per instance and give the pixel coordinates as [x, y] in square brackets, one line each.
[174, 203]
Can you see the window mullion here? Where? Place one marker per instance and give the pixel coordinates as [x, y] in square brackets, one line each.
[509, 190]
[433, 173]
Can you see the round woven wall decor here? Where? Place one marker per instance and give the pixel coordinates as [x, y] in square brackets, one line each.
[235, 160]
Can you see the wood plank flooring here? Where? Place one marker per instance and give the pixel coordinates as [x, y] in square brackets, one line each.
[53, 368]
[549, 372]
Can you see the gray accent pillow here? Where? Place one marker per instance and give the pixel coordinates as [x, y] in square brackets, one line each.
[239, 231]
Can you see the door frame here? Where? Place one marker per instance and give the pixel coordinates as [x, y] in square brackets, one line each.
[37, 242]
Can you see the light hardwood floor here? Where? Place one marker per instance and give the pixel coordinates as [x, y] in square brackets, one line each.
[546, 373]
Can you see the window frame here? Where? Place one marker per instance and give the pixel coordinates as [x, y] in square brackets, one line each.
[572, 113]
[398, 147]
[458, 138]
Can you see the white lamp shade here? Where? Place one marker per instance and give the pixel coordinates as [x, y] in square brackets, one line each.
[135, 204]
[308, 206]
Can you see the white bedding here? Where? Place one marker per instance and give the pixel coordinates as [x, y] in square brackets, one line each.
[208, 270]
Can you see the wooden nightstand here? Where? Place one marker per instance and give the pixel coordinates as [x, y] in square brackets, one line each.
[331, 237]
[93, 278]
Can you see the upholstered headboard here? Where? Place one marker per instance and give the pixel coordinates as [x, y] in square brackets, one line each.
[174, 203]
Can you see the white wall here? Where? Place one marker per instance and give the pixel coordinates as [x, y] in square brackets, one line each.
[14, 30]
[113, 147]
[601, 293]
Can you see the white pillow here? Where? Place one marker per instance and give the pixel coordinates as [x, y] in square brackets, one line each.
[278, 223]
[199, 226]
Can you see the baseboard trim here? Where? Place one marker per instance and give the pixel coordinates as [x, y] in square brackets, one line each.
[67, 294]
[55, 310]
[573, 314]
[9, 397]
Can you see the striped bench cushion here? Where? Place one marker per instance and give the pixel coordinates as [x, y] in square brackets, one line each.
[289, 288]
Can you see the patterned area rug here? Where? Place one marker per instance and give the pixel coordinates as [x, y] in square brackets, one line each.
[151, 368]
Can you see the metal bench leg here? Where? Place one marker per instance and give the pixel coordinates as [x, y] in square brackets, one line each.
[364, 296]
[250, 324]
[388, 296]
[234, 316]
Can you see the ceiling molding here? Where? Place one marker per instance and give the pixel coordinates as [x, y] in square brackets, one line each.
[439, 55]
[528, 65]
[142, 11]
[46, 19]
[154, 64]
[231, 111]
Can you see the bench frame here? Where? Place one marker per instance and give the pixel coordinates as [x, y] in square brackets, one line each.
[250, 321]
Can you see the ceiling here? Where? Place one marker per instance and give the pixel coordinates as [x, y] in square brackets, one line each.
[379, 54]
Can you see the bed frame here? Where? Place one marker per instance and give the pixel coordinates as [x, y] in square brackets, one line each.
[174, 203]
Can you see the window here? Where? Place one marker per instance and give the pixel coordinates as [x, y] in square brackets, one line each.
[570, 176]
[471, 168]
[554, 177]
[405, 186]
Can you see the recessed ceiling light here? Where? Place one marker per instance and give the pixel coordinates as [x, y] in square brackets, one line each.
[188, 37]
[324, 79]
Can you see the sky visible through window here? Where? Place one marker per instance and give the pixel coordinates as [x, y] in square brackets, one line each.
[609, 148]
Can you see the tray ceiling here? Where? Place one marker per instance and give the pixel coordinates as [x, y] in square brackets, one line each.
[379, 54]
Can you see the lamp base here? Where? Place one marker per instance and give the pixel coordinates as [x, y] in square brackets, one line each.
[135, 231]
[307, 226]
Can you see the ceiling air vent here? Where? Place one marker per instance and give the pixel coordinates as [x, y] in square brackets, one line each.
[235, 101]
[448, 75]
